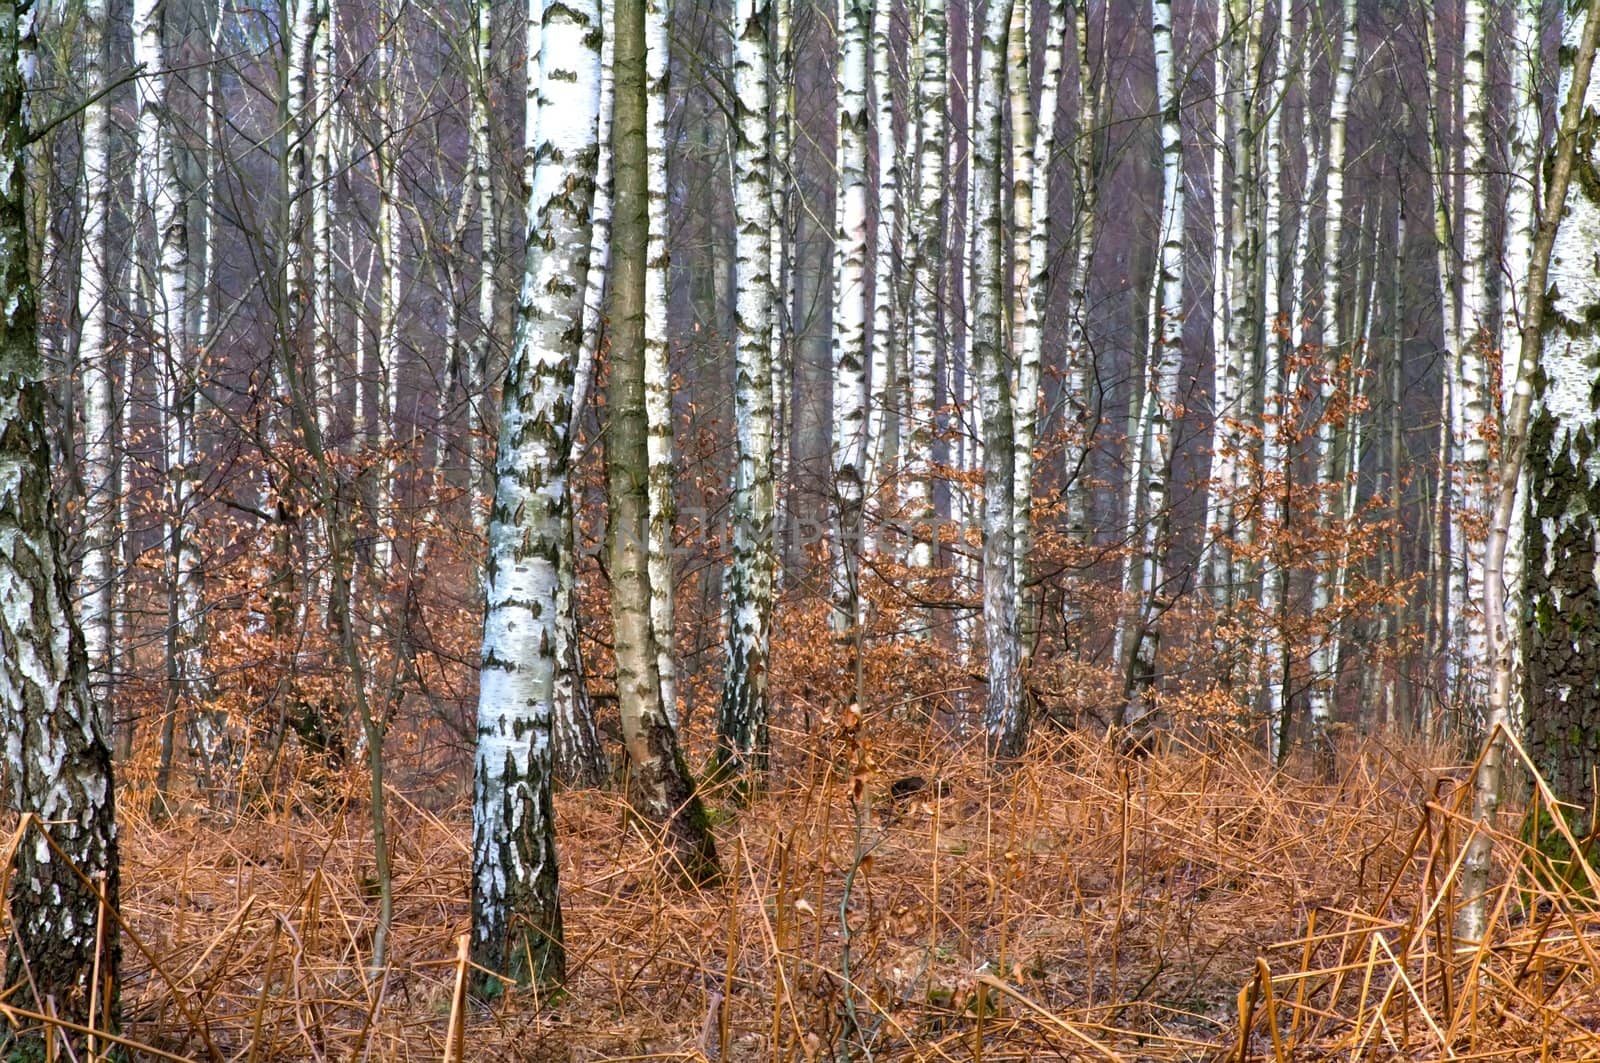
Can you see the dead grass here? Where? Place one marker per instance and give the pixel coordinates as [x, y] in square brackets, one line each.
[1189, 905]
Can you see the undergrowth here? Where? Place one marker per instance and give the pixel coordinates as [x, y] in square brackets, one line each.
[1186, 904]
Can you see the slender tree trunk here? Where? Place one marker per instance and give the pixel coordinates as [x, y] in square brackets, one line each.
[887, 254]
[1564, 466]
[742, 741]
[1229, 381]
[1005, 710]
[580, 759]
[1149, 487]
[850, 308]
[100, 464]
[1446, 529]
[177, 377]
[927, 235]
[659, 787]
[658, 371]
[516, 907]
[1471, 420]
[61, 892]
[325, 48]
[1076, 448]
[1324, 600]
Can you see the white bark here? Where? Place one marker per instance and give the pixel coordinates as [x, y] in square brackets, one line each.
[1231, 383]
[95, 365]
[516, 915]
[658, 372]
[56, 742]
[1471, 415]
[742, 739]
[888, 252]
[1076, 447]
[850, 440]
[1562, 259]
[176, 373]
[1149, 489]
[481, 159]
[1005, 712]
[325, 48]
[386, 161]
[926, 227]
[1325, 655]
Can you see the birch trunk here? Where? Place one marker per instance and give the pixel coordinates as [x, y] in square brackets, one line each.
[782, 108]
[1032, 148]
[659, 787]
[57, 742]
[1077, 373]
[1325, 655]
[1005, 711]
[322, 168]
[482, 157]
[658, 371]
[516, 907]
[1471, 420]
[1555, 448]
[742, 740]
[100, 464]
[1446, 529]
[1230, 369]
[887, 254]
[926, 228]
[177, 377]
[580, 758]
[850, 440]
[1149, 489]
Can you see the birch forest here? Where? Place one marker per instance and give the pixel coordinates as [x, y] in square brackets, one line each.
[799, 530]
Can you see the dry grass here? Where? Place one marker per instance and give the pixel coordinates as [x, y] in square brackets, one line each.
[1086, 905]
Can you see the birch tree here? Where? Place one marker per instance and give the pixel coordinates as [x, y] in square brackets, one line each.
[657, 369]
[926, 229]
[1325, 655]
[64, 950]
[1471, 422]
[481, 161]
[516, 909]
[1151, 439]
[1005, 711]
[100, 465]
[742, 740]
[161, 198]
[580, 759]
[1241, 322]
[887, 254]
[850, 310]
[659, 784]
[1077, 370]
[1548, 432]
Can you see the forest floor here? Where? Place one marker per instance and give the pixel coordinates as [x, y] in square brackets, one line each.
[1188, 904]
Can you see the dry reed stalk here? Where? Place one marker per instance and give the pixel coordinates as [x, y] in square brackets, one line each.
[456, 1030]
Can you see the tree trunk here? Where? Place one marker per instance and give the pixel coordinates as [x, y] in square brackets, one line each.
[515, 906]
[58, 750]
[1005, 711]
[850, 441]
[1149, 487]
[927, 234]
[658, 371]
[742, 740]
[100, 462]
[1562, 262]
[659, 786]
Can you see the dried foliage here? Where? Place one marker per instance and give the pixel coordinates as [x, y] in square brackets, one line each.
[1090, 904]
